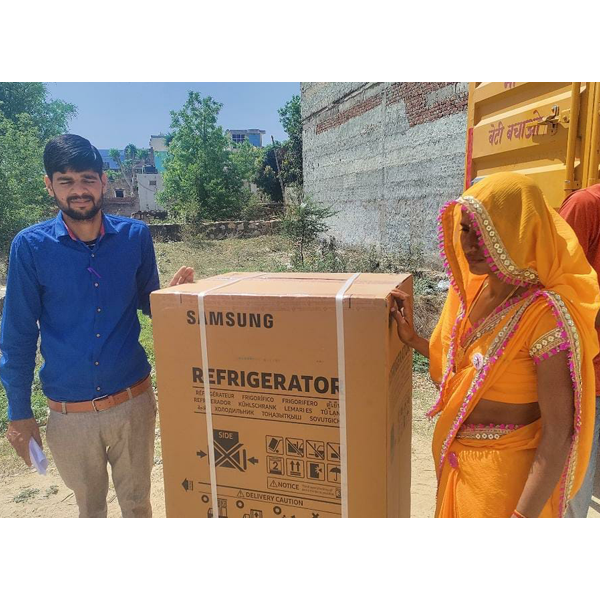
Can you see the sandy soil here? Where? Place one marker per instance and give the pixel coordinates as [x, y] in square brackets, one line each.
[24, 493]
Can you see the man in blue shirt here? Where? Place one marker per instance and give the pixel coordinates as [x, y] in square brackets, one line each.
[78, 281]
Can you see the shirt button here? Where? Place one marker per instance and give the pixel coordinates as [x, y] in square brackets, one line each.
[96, 284]
[96, 363]
[98, 310]
[97, 335]
[98, 389]
[93, 256]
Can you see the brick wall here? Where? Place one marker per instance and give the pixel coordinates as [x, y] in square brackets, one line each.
[385, 155]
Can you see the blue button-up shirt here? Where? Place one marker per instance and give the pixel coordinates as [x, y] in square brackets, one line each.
[83, 301]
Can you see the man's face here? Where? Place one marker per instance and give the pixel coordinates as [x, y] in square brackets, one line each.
[78, 194]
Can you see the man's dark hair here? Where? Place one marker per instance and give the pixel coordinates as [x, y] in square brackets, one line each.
[71, 152]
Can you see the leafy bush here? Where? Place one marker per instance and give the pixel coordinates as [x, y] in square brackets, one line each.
[303, 222]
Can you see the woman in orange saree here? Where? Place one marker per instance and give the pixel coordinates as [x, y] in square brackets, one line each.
[512, 354]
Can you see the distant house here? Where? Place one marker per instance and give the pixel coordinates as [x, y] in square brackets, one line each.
[239, 136]
[147, 186]
[118, 199]
[158, 151]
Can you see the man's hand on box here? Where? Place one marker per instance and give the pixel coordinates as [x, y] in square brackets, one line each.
[19, 433]
[184, 275]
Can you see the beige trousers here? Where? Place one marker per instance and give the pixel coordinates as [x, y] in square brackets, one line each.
[82, 445]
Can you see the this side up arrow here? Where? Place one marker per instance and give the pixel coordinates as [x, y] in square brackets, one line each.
[253, 460]
[201, 454]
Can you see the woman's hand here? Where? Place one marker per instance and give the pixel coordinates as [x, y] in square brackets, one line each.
[402, 311]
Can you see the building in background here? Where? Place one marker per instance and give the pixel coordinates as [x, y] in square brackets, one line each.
[386, 156]
[148, 183]
[118, 199]
[239, 136]
[158, 151]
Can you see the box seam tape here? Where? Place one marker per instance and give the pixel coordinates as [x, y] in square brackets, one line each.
[207, 398]
[341, 351]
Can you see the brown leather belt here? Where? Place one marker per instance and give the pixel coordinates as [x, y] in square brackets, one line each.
[103, 402]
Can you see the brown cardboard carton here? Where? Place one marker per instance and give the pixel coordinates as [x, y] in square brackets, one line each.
[272, 350]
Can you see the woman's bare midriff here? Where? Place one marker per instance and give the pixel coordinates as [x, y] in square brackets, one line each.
[501, 413]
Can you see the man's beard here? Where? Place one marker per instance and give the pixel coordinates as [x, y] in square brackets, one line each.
[78, 215]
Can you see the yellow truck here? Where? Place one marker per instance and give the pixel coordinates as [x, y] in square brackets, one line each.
[547, 131]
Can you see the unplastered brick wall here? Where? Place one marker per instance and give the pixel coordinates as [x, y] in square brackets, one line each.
[385, 156]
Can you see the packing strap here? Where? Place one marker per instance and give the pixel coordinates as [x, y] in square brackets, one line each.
[207, 398]
[339, 314]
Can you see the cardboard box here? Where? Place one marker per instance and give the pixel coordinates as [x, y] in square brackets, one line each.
[278, 432]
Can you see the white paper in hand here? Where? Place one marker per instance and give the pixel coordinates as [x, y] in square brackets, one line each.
[38, 458]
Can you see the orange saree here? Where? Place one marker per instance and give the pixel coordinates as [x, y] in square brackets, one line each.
[482, 473]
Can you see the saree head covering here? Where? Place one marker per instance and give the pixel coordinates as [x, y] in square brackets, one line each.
[526, 243]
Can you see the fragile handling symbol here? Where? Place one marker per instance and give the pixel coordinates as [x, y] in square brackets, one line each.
[316, 471]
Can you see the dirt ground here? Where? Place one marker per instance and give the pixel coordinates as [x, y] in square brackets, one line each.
[24, 493]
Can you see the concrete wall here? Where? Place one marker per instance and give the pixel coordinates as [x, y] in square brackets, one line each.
[147, 192]
[216, 230]
[386, 156]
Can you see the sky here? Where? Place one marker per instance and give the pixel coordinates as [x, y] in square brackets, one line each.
[112, 115]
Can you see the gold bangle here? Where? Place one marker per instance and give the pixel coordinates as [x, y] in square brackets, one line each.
[517, 514]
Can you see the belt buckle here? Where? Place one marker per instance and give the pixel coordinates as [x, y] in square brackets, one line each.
[93, 401]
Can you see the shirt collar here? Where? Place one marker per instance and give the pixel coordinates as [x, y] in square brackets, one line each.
[61, 229]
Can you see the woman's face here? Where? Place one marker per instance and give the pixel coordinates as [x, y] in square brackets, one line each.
[470, 245]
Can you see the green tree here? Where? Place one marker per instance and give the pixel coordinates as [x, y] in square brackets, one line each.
[50, 117]
[28, 119]
[201, 180]
[303, 222]
[246, 158]
[290, 160]
[23, 197]
[266, 177]
[133, 158]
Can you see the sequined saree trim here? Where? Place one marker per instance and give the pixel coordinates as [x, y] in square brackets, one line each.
[485, 432]
[477, 331]
[547, 345]
[494, 250]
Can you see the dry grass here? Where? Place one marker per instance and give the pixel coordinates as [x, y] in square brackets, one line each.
[266, 253]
